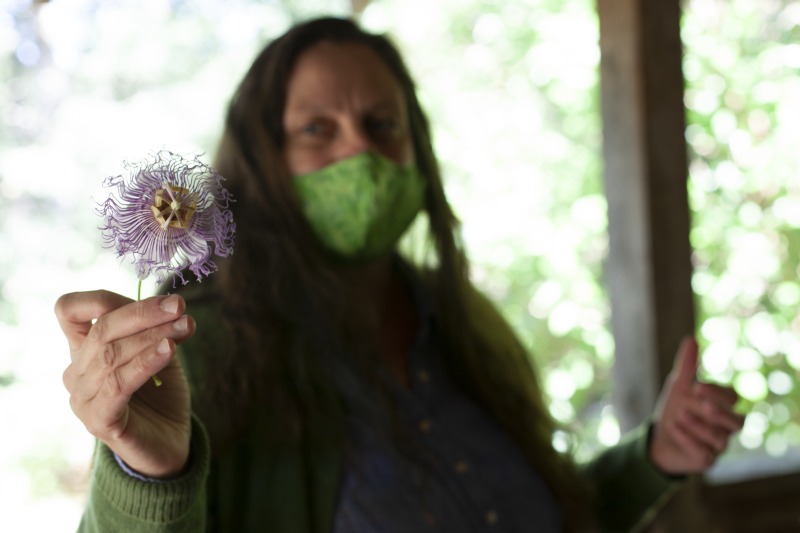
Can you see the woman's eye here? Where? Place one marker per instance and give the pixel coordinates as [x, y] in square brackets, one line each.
[317, 128]
[314, 128]
[382, 126]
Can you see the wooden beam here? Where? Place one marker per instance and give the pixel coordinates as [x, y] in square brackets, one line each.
[649, 269]
[645, 176]
[756, 506]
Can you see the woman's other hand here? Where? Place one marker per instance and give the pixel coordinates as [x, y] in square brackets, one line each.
[116, 346]
[693, 420]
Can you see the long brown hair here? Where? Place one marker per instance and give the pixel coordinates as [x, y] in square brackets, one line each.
[283, 301]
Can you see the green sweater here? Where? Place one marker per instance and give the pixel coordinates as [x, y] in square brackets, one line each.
[293, 491]
[265, 482]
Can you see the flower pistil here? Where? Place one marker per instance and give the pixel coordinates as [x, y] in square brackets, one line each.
[175, 211]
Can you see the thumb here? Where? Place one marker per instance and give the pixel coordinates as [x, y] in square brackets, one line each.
[686, 361]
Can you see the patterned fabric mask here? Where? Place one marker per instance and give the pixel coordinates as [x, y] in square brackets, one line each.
[360, 206]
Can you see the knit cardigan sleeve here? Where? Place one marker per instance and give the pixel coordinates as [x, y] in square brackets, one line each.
[626, 489]
[120, 502]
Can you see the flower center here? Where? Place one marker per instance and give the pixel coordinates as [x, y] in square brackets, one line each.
[174, 206]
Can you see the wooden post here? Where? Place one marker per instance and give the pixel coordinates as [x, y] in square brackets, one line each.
[646, 170]
[649, 268]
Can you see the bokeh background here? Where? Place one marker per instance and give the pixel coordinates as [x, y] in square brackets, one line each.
[512, 90]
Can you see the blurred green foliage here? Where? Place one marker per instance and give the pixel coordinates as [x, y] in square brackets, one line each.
[743, 103]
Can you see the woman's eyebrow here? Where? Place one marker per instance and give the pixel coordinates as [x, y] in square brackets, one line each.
[307, 108]
[315, 108]
[385, 104]
[303, 110]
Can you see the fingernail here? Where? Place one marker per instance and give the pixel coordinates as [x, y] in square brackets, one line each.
[163, 347]
[182, 324]
[170, 304]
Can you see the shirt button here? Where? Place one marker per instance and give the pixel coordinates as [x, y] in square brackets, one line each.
[461, 467]
[491, 518]
[423, 376]
[425, 425]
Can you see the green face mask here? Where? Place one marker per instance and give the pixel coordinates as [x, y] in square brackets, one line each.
[360, 206]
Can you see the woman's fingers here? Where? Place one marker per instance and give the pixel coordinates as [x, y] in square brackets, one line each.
[720, 417]
[136, 317]
[143, 355]
[717, 405]
[103, 316]
[119, 352]
[112, 377]
[719, 394]
[694, 420]
[695, 454]
[714, 405]
[709, 434]
[100, 396]
[692, 432]
[76, 312]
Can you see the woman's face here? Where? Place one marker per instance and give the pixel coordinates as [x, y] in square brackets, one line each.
[343, 100]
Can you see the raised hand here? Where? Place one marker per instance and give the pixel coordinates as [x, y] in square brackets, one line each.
[116, 345]
[694, 420]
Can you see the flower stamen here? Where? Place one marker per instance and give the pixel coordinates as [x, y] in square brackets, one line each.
[174, 206]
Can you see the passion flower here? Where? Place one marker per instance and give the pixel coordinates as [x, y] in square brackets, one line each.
[168, 215]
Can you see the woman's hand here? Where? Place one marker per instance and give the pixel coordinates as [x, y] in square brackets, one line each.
[116, 346]
[693, 420]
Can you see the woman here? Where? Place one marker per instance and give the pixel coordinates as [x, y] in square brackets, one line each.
[335, 386]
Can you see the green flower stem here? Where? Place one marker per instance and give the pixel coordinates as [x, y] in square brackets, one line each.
[156, 379]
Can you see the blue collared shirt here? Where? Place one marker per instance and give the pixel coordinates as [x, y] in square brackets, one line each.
[428, 459]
